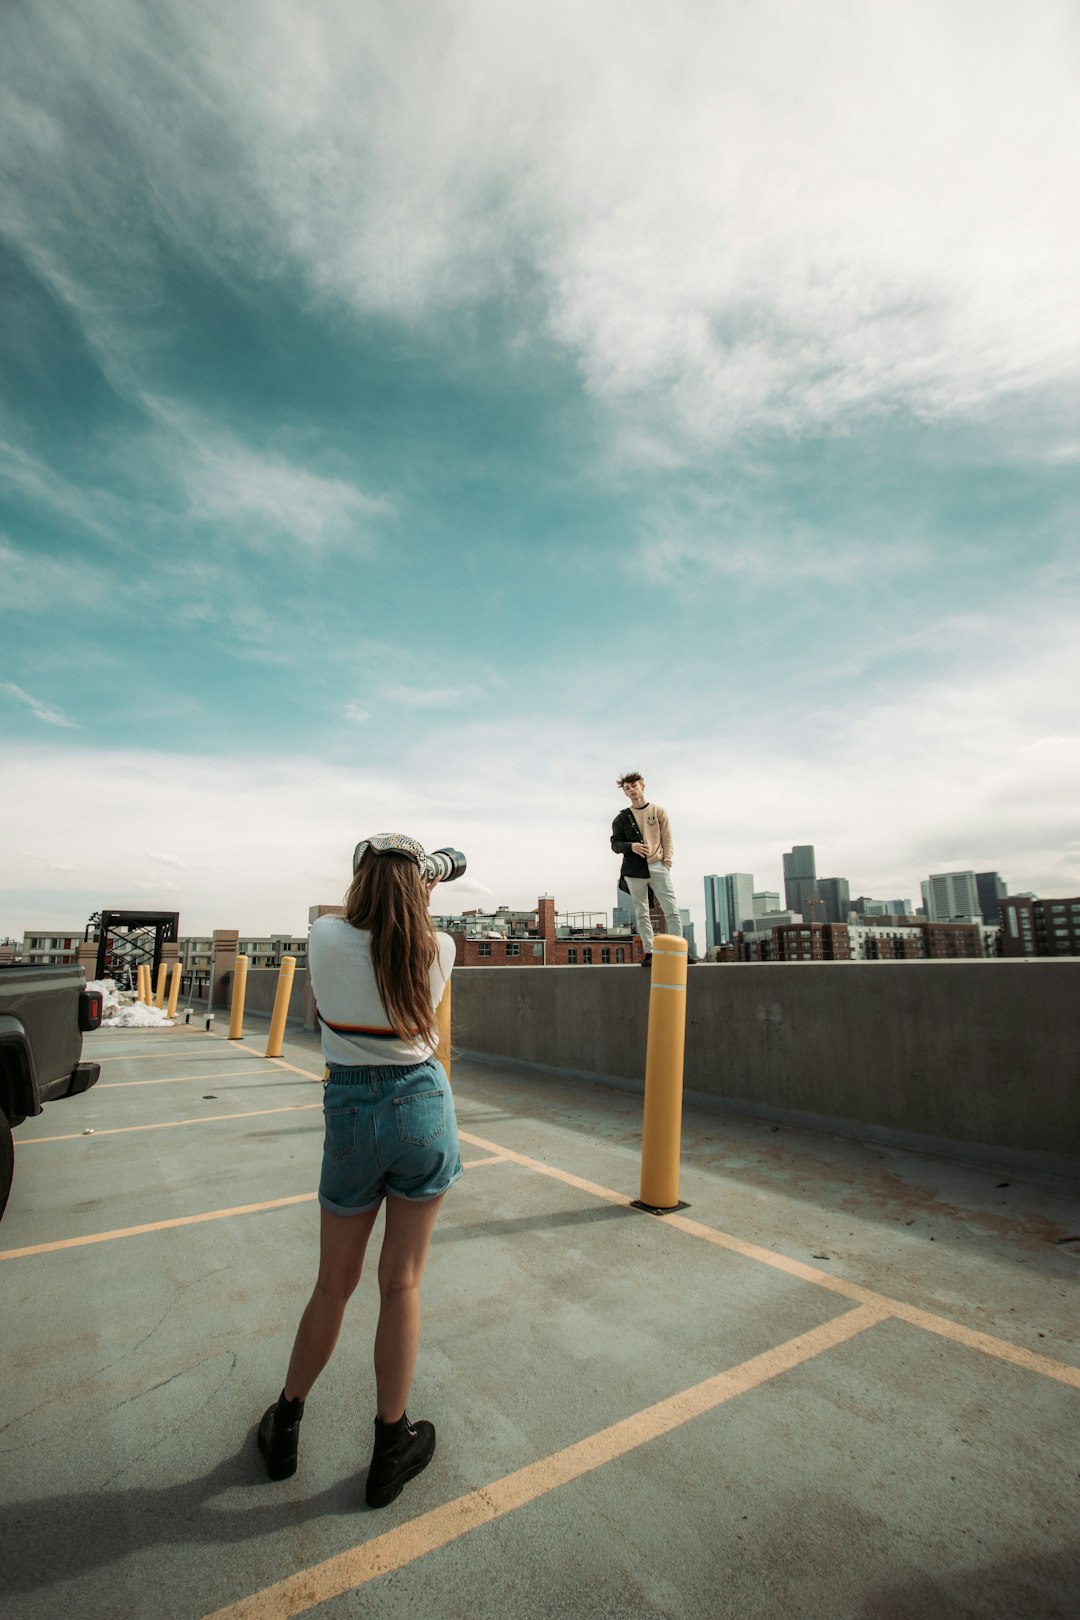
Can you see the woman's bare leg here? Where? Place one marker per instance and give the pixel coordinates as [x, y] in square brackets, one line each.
[343, 1244]
[401, 1266]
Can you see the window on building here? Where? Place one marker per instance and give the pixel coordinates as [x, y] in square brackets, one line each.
[605, 954]
[586, 953]
[571, 954]
[484, 948]
[538, 952]
[620, 954]
[513, 949]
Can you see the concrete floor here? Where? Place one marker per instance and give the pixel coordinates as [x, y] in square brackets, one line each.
[843, 1383]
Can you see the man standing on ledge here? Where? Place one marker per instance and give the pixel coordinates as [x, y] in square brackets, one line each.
[642, 836]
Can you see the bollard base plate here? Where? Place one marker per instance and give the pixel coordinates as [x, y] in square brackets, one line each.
[658, 1209]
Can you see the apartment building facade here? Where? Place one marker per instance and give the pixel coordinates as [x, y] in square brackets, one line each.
[1040, 927]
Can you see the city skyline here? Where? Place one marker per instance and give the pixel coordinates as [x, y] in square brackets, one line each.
[459, 898]
[438, 415]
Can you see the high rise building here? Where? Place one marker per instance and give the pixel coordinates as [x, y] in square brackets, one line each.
[766, 900]
[992, 891]
[951, 894]
[688, 931]
[728, 899]
[713, 935]
[836, 894]
[800, 882]
[864, 906]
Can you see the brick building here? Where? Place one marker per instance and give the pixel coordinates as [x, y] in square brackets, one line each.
[506, 938]
[796, 942]
[838, 942]
[1040, 927]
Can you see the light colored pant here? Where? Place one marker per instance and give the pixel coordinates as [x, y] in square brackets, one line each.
[659, 880]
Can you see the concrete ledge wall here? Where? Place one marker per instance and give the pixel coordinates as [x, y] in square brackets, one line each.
[983, 1052]
[262, 988]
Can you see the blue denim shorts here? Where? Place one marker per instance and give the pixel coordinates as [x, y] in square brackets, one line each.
[389, 1129]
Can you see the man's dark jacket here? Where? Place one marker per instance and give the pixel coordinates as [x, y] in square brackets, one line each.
[624, 833]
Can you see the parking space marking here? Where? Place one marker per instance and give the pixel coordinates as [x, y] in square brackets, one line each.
[429, 1531]
[155, 1226]
[495, 1153]
[167, 1124]
[174, 1079]
[987, 1343]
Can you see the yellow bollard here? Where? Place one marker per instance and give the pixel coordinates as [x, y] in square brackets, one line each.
[662, 1126]
[174, 989]
[281, 1007]
[442, 1015]
[162, 976]
[142, 992]
[239, 991]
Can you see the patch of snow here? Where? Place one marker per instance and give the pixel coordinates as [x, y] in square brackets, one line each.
[120, 1010]
[138, 1016]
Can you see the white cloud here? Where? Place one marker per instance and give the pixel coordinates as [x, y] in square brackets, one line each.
[733, 217]
[764, 559]
[356, 712]
[970, 762]
[227, 481]
[43, 711]
[462, 698]
[92, 510]
[171, 860]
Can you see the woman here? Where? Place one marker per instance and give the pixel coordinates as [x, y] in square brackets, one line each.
[377, 973]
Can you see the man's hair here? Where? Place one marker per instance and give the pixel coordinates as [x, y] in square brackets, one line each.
[629, 776]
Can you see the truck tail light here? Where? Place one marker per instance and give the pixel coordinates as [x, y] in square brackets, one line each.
[91, 1003]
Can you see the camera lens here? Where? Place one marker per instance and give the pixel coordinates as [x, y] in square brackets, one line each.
[446, 864]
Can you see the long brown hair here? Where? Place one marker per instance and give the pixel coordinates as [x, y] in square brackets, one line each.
[388, 897]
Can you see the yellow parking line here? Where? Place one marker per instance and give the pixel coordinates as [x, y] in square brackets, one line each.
[167, 1125]
[280, 1063]
[173, 1079]
[395, 1548]
[154, 1226]
[987, 1343]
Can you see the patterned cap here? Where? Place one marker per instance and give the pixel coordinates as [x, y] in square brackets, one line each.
[390, 844]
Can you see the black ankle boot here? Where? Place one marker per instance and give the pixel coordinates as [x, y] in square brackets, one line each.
[279, 1436]
[402, 1450]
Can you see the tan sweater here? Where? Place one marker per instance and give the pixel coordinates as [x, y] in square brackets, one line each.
[655, 829]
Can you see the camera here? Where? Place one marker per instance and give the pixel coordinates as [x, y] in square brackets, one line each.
[441, 866]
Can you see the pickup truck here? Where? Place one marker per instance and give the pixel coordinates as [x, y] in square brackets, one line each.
[44, 1012]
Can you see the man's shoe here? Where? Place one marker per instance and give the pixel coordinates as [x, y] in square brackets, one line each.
[279, 1436]
[402, 1450]
[693, 961]
[646, 960]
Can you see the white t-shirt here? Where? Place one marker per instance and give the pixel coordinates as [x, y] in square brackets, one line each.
[343, 984]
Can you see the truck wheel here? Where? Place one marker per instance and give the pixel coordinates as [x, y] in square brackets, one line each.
[7, 1161]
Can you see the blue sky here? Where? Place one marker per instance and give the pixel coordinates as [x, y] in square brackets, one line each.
[413, 415]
